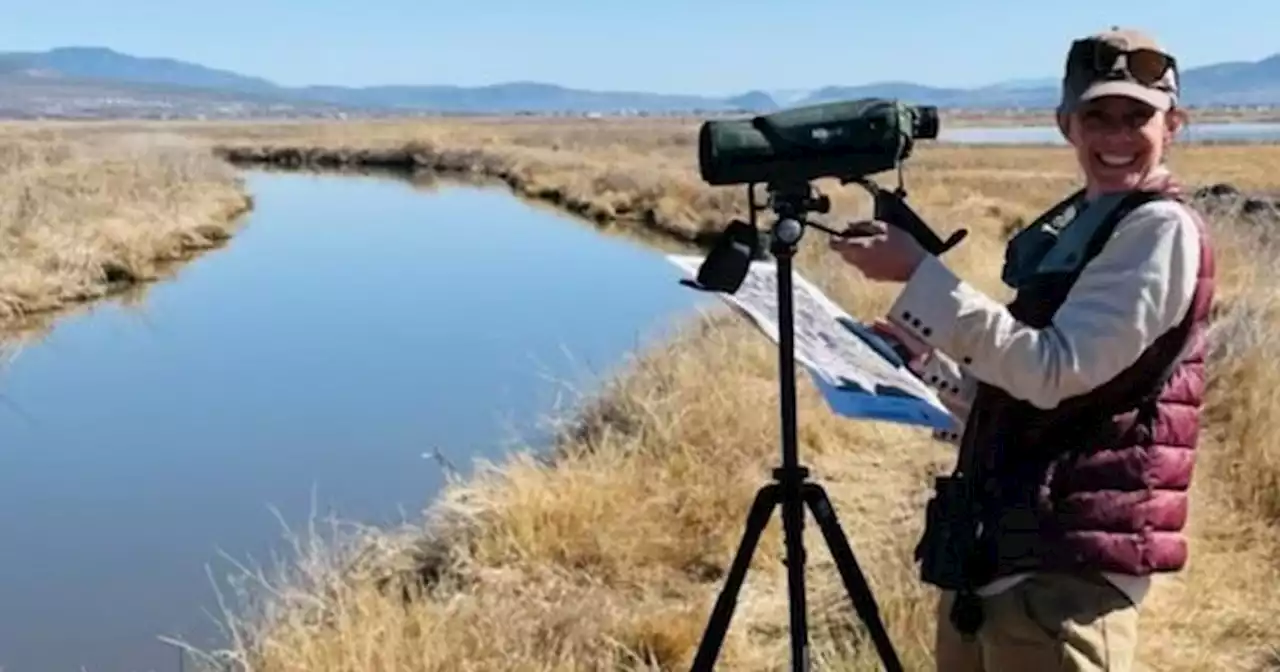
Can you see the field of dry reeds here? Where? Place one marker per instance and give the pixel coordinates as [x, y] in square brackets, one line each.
[608, 553]
[83, 216]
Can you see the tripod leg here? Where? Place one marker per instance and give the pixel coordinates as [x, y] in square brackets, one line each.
[793, 530]
[766, 499]
[855, 582]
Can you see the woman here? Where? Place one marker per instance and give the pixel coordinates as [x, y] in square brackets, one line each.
[1079, 400]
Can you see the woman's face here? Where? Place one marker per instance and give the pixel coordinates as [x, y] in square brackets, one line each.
[1118, 141]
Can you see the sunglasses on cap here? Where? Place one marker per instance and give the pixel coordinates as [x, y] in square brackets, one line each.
[1097, 59]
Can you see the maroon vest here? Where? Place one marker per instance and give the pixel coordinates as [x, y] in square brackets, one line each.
[1098, 483]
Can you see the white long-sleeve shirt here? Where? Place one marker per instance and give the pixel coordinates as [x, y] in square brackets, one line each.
[1138, 287]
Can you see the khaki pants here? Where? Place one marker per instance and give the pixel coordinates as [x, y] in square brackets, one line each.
[1046, 623]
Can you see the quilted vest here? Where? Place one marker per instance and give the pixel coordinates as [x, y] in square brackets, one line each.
[1098, 483]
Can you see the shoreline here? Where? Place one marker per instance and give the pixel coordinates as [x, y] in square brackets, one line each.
[41, 314]
[118, 282]
[413, 159]
[93, 225]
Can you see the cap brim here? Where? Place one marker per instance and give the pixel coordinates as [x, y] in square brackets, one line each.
[1153, 97]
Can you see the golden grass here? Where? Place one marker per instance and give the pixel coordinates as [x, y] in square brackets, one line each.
[85, 216]
[608, 553]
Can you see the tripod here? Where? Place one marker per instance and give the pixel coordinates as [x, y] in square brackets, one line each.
[791, 490]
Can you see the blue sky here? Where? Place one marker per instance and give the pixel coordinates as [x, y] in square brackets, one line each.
[707, 46]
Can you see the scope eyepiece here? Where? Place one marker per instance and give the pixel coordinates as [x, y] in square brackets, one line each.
[925, 122]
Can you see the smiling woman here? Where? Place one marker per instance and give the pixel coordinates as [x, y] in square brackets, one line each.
[1084, 394]
[1120, 121]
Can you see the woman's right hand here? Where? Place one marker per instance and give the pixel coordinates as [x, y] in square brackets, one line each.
[918, 349]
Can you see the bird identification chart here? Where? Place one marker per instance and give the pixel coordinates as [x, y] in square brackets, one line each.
[856, 373]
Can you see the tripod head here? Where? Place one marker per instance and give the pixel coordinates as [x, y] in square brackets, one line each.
[729, 259]
[792, 201]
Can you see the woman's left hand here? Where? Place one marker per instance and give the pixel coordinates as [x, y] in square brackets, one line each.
[881, 252]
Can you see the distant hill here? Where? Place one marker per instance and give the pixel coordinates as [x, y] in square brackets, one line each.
[101, 63]
[96, 81]
[83, 82]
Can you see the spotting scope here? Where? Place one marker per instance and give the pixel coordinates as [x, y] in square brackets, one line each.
[786, 150]
[845, 139]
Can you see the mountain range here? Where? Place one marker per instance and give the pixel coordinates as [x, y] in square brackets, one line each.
[103, 82]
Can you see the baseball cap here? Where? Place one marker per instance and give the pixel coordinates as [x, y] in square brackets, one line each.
[1119, 62]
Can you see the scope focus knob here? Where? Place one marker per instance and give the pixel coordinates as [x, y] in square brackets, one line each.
[788, 231]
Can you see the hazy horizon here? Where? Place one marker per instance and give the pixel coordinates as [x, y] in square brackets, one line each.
[711, 48]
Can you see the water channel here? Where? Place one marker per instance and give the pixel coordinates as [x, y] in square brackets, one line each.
[353, 325]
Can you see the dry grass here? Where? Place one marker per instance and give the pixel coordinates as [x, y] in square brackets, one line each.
[83, 216]
[609, 553]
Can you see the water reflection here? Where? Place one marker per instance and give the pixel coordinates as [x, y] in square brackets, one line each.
[353, 325]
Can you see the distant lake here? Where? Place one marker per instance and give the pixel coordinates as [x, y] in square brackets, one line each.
[1039, 135]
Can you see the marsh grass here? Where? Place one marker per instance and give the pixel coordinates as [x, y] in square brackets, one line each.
[86, 216]
[607, 553]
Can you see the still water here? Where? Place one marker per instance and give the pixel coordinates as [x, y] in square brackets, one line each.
[1234, 132]
[355, 324]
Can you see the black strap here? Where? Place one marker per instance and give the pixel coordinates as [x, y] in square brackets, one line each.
[1130, 203]
[966, 461]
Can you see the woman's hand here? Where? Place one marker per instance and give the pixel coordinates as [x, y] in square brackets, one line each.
[881, 252]
[914, 346]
